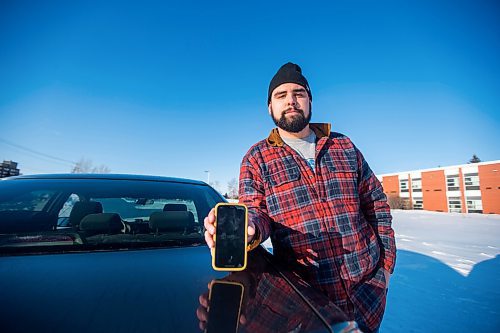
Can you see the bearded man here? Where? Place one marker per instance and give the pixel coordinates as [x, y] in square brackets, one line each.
[313, 193]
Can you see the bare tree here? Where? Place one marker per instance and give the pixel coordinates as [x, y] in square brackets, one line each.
[216, 185]
[396, 202]
[232, 187]
[101, 169]
[84, 165]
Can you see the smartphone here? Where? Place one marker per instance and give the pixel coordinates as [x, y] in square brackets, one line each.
[224, 306]
[230, 251]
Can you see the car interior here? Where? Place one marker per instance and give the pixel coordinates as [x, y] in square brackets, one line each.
[99, 221]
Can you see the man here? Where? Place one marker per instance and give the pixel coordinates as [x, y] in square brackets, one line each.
[314, 194]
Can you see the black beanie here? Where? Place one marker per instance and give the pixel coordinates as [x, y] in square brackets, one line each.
[288, 73]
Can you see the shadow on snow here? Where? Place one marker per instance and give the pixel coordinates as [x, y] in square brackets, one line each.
[426, 295]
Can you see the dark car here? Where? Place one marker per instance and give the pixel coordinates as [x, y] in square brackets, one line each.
[123, 253]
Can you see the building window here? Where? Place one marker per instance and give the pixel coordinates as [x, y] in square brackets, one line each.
[454, 205]
[416, 185]
[403, 185]
[471, 181]
[452, 183]
[418, 204]
[474, 205]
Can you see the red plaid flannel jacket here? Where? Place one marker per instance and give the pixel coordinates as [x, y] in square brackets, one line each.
[334, 223]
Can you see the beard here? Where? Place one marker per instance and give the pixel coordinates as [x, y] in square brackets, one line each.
[293, 124]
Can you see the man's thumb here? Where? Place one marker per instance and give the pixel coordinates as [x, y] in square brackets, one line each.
[251, 230]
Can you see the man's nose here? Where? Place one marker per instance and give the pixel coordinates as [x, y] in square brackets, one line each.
[291, 100]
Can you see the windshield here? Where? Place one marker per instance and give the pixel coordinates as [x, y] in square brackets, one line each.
[80, 214]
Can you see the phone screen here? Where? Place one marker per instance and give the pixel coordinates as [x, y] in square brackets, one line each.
[224, 307]
[230, 233]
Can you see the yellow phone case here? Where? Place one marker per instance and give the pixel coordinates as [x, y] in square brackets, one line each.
[234, 269]
[227, 282]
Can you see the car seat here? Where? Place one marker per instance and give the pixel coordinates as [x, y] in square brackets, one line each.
[103, 223]
[175, 207]
[82, 209]
[171, 221]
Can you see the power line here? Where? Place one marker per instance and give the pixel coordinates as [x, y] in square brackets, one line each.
[26, 149]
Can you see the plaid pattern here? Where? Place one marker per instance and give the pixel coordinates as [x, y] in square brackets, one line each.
[275, 307]
[333, 224]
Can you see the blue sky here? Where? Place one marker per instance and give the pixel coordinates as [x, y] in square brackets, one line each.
[176, 89]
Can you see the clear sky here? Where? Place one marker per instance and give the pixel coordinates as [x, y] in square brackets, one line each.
[177, 88]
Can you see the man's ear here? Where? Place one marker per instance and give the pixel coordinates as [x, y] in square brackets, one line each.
[270, 109]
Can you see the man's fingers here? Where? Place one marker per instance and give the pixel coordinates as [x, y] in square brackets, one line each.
[202, 314]
[209, 239]
[203, 299]
[209, 225]
[211, 216]
[314, 253]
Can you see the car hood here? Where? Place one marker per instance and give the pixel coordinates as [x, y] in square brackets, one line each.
[126, 291]
[140, 291]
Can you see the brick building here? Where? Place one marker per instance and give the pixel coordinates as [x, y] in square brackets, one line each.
[467, 188]
[8, 168]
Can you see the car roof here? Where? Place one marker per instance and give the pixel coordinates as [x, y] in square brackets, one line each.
[107, 176]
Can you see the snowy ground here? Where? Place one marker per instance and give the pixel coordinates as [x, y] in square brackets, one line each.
[458, 240]
[447, 276]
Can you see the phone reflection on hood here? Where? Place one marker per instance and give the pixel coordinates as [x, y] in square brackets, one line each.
[275, 300]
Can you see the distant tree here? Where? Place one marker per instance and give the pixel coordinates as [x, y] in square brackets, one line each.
[101, 169]
[474, 159]
[84, 165]
[232, 187]
[216, 185]
[396, 202]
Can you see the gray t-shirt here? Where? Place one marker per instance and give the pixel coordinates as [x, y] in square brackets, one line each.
[306, 147]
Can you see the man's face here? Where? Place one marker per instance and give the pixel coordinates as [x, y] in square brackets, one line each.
[290, 107]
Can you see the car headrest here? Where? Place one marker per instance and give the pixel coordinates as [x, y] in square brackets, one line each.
[175, 207]
[170, 221]
[102, 223]
[82, 209]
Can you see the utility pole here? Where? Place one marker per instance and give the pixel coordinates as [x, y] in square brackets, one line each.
[208, 176]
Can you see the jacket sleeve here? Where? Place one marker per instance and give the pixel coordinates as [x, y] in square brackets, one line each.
[376, 211]
[252, 194]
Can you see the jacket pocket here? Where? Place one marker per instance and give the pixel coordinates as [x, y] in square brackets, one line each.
[369, 299]
[346, 164]
[340, 178]
[283, 176]
[280, 190]
[362, 259]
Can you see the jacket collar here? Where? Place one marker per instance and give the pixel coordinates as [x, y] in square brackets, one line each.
[321, 130]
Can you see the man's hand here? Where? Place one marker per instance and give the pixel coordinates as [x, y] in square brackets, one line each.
[209, 222]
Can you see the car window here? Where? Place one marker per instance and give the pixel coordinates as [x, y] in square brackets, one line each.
[33, 201]
[63, 216]
[97, 213]
[131, 209]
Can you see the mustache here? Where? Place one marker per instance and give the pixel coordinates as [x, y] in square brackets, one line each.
[292, 109]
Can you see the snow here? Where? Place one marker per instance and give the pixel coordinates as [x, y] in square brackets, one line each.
[447, 275]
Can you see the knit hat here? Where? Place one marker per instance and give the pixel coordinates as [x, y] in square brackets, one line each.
[288, 73]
